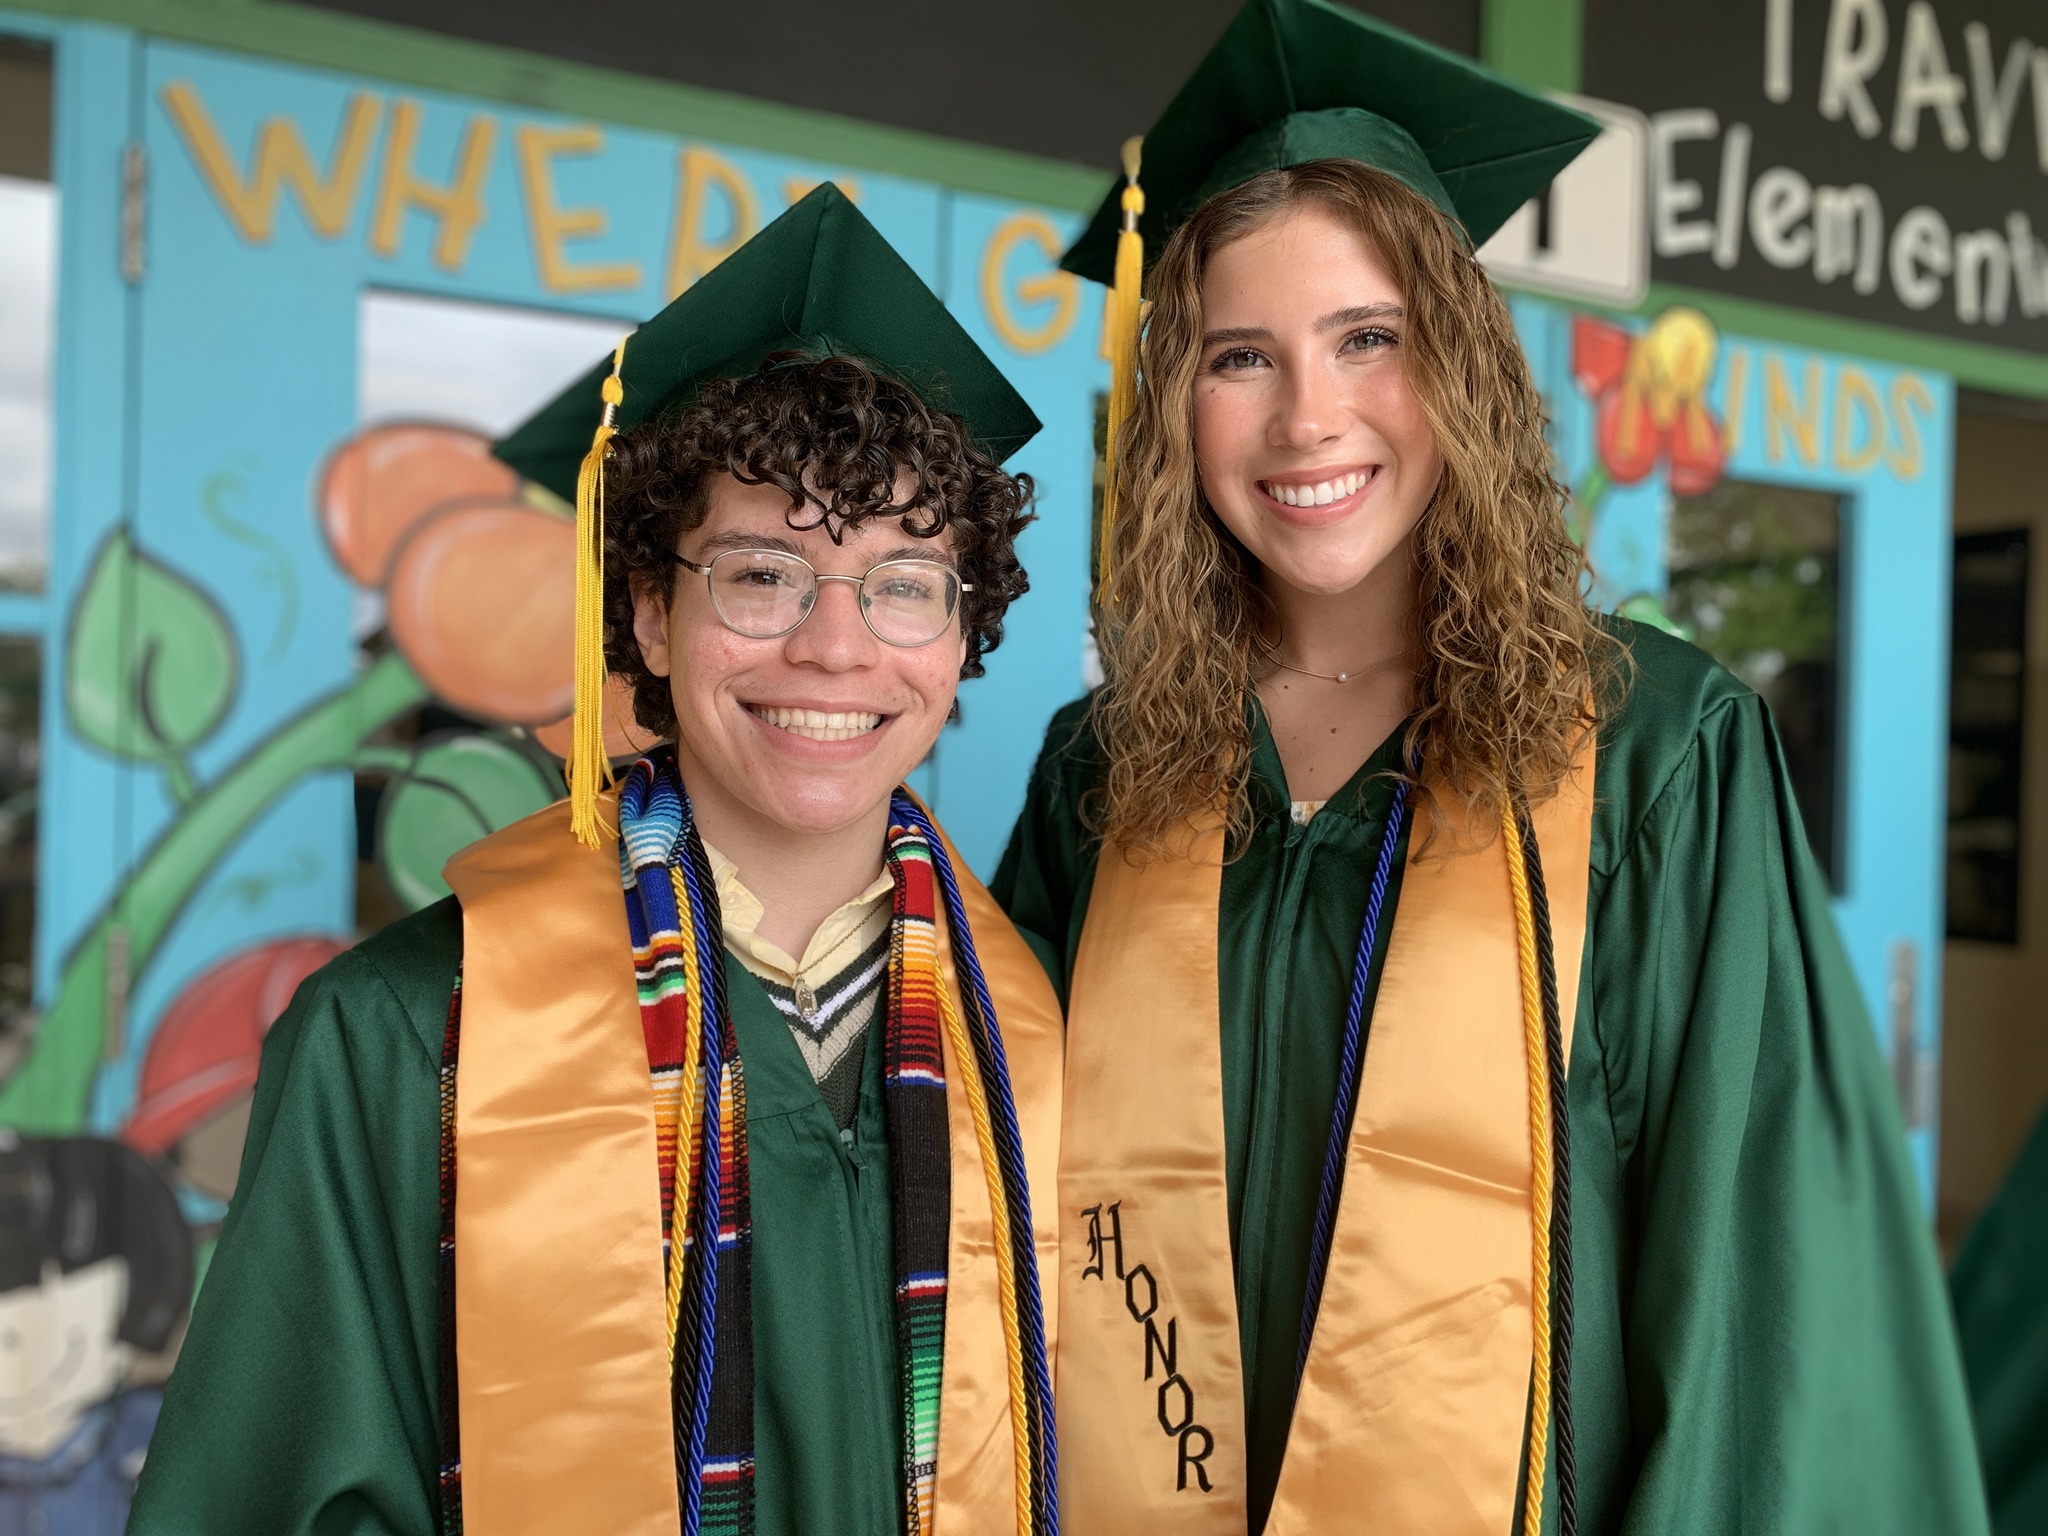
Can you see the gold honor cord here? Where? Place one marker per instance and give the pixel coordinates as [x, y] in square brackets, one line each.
[1120, 322]
[1540, 1191]
[587, 764]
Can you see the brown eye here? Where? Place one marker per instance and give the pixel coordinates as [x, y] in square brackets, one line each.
[1236, 357]
[1371, 339]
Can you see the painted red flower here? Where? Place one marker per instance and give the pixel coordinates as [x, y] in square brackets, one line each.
[1650, 394]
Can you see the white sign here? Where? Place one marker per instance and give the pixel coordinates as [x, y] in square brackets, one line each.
[1584, 238]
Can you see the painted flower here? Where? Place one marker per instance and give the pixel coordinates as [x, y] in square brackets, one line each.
[382, 483]
[482, 601]
[1650, 391]
[623, 733]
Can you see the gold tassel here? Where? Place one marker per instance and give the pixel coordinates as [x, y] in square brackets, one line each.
[589, 770]
[1121, 316]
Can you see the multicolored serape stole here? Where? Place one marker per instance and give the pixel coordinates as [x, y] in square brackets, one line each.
[700, 1102]
[978, 1048]
[921, 1163]
[700, 1117]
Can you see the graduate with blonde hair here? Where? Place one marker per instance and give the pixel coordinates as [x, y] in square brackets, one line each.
[1471, 1122]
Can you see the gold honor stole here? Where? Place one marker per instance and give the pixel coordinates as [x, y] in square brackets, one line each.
[560, 1335]
[1411, 1412]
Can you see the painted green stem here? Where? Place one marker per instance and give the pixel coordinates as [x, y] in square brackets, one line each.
[50, 1089]
[1584, 509]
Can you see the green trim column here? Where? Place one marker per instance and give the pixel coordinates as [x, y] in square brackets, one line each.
[1533, 41]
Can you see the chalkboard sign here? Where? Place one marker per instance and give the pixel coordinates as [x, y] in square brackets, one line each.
[1877, 158]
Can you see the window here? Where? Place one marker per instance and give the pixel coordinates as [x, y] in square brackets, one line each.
[1756, 581]
[28, 306]
[1986, 704]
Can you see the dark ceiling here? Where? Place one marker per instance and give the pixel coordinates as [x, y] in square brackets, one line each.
[1068, 79]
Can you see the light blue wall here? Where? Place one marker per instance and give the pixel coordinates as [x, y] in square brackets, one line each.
[1895, 603]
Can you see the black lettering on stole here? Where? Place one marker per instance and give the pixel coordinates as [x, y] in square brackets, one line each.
[1175, 1403]
[1098, 1240]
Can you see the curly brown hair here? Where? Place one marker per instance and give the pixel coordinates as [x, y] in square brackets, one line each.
[836, 437]
[1509, 653]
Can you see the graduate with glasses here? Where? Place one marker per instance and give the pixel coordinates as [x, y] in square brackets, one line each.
[1472, 1125]
[675, 1174]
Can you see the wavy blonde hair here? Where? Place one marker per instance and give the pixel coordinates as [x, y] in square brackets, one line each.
[1509, 655]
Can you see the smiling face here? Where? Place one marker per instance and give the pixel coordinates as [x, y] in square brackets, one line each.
[59, 1353]
[1312, 446]
[808, 732]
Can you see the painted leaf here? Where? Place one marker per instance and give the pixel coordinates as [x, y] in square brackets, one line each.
[152, 663]
[459, 788]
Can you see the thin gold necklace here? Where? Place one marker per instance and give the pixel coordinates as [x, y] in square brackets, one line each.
[1328, 677]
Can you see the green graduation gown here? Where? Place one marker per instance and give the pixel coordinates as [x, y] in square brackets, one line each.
[2001, 1293]
[1762, 1339]
[307, 1398]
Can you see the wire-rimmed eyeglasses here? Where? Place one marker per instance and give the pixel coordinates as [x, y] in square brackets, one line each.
[765, 593]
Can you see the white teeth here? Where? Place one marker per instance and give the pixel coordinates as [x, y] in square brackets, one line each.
[1318, 495]
[818, 724]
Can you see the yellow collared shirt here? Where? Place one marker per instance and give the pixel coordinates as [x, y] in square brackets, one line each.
[843, 935]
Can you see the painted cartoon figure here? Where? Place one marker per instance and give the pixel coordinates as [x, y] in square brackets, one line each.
[95, 1266]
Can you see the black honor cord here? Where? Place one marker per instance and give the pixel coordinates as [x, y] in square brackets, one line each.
[1561, 1189]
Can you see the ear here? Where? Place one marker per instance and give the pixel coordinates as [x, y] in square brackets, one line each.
[650, 628]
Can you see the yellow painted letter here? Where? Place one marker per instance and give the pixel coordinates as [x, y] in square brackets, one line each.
[552, 227]
[1906, 459]
[690, 255]
[1063, 289]
[1785, 417]
[1857, 446]
[280, 158]
[459, 206]
[1736, 411]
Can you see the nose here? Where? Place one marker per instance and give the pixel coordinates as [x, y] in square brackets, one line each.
[1308, 409]
[833, 635]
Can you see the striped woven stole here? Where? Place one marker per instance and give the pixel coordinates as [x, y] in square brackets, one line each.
[701, 1147]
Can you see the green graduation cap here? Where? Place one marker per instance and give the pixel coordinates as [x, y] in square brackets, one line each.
[1297, 80]
[820, 281]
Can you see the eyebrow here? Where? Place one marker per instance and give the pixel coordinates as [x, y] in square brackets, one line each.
[933, 552]
[720, 543]
[1355, 315]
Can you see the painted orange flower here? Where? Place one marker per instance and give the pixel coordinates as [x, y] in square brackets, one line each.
[482, 601]
[382, 483]
[623, 736]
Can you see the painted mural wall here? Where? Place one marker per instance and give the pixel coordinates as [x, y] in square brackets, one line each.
[1788, 511]
[303, 638]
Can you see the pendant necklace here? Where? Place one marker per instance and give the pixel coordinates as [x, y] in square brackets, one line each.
[1328, 677]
